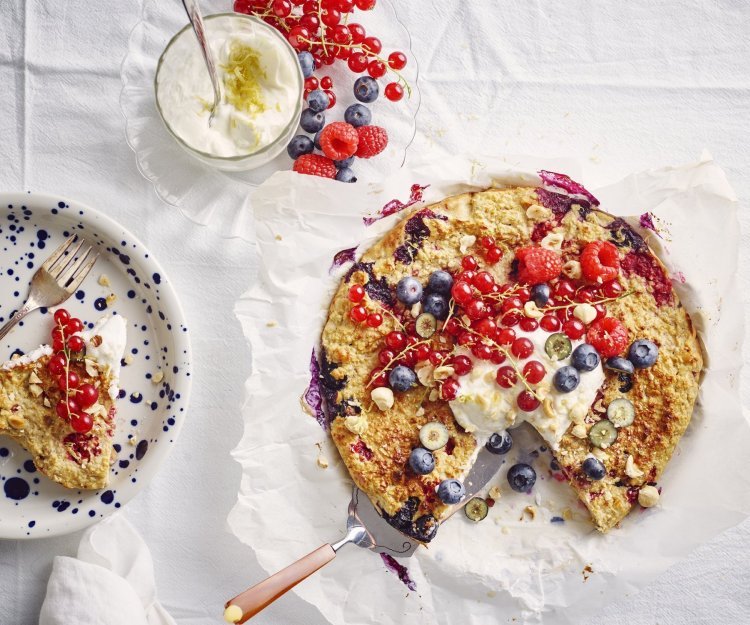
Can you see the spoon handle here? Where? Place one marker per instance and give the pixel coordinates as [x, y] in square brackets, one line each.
[196, 19]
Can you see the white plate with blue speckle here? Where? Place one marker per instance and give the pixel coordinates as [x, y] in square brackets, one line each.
[128, 281]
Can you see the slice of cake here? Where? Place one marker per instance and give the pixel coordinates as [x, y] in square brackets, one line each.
[58, 401]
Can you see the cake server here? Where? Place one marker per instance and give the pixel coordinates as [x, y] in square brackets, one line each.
[366, 528]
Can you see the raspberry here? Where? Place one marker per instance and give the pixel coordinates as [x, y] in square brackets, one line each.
[339, 140]
[315, 165]
[600, 262]
[537, 264]
[372, 141]
[608, 336]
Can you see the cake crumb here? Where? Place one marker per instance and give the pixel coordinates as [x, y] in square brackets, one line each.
[157, 377]
[278, 237]
[110, 299]
[104, 280]
[128, 359]
[272, 324]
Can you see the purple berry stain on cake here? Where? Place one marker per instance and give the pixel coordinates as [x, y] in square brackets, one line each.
[312, 396]
[342, 257]
[416, 232]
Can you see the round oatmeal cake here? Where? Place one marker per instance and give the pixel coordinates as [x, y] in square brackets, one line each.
[492, 308]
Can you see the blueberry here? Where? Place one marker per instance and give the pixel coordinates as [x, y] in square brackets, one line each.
[345, 175]
[643, 353]
[357, 115]
[426, 527]
[540, 294]
[402, 378]
[566, 379]
[421, 461]
[307, 63]
[436, 305]
[440, 282]
[408, 291]
[521, 477]
[585, 357]
[621, 365]
[299, 145]
[312, 121]
[316, 140]
[318, 100]
[500, 443]
[347, 162]
[451, 491]
[593, 468]
[366, 89]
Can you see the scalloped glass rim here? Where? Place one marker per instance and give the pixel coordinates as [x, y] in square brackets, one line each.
[222, 199]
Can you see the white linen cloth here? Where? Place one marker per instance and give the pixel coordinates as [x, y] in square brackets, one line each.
[111, 581]
[623, 86]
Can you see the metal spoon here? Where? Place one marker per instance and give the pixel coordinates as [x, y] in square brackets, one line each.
[196, 19]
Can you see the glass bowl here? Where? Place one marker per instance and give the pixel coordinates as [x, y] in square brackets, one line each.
[265, 154]
[223, 199]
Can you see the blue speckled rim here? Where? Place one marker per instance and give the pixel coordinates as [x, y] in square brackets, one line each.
[171, 309]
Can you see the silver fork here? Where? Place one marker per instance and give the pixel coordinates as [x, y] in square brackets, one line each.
[57, 279]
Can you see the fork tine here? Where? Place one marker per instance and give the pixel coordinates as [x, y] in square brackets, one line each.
[71, 268]
[47, 264]
[81, 273]
[64, 262]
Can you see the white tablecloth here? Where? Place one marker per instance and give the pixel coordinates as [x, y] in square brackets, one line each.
[622, 86]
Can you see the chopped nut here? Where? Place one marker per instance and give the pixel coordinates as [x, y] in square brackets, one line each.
[356, 424]
[425, 374]
[578, 413]
[34, 378]
[322, 461]
[46, 402]
[585, 313]
[553, 241]
[112, 457]
[35, 390]
[549, 410]
[110, 299]
[632, 469]
[278, 237]
[530, 309]
[572, 269]
[530, 511]
[599, 454]
[538, 213]
[443, 372]
[128, 359]
[272, 324]
[16, 421]
[434, 395]
[103, 280]
[383, 397]
[91, 367]
[96, 340]
[419, 412]
[157, 377]
[579, 431]
[416, 309]
[465, 242]
[495, 493]
[132, 441]
[648, 496]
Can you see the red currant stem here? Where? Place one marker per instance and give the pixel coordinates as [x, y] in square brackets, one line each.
[593, 303]
[391, 315]
[501, 297]
[397, 357]
[66, 353]
[451, 310]
[509, 356]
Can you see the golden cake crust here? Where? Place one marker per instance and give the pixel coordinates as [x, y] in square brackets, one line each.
[375, 444]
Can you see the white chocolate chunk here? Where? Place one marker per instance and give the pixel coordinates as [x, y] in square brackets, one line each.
[383, 397]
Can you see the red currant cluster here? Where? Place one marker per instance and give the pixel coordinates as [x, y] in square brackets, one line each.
[76, 396]
[484, 315]
[359, 312]
[321, 27]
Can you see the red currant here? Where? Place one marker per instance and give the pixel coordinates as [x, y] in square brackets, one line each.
[486, 242]
[357, 62]
[436, 358]
[372, 45]
[87, 395]
[601, 311]
[281, 8]
[395, 340]
[449, 390]
[81, 422]
[476, 309]
[72, 380]
[397, 60]
[564, 289]
[512, 303]
[311, 22]
[358, 33]
[549, 323]
[462, 365]
[512, 318]
[574, 329]
[409, 359]
[469, 263]
[612, 288]
[522, 348]
[330, 17]
[74, 325]
[452, 326]
[587, 294]
[393, 91]
[527, 324]
[484, 282]
[481, 351]
[358, 314]
[564, 314]
[310, 6]
[65, 409]
[331, 98]
[346, 6]
[506, 336]
[506, 376]
[466, 276]
[493, 254]
[534, 371]
[422, 352]
[378, 377]
[75, 344]
[466, 338]
[527, 401]
[61, 316]
[311, 83]
[365, 5]
[376, 69]
[342, 52]
[385, 356]
[523, 294]
[374, 320]
[295, 36]
[461, 292]
[486, 327]
[497, 357]
[56, 364]
[356, 293]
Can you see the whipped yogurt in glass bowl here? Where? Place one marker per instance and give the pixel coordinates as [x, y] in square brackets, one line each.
[261, 101]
